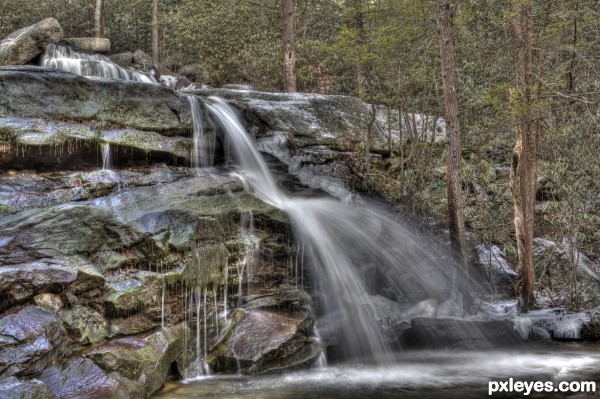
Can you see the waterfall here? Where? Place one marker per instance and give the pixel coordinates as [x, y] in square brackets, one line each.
[203, 151]
[68, 59]
[106, 156]
[341, 239]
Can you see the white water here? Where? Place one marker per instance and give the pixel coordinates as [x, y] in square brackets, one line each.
[106, 156]
[68, 59]
[204, 142]
[340, 239]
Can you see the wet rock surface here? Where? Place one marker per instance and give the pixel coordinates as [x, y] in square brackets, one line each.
[259, 341]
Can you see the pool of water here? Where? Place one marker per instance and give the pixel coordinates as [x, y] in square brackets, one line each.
[417, 375]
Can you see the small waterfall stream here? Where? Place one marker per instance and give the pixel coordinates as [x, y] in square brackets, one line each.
[69, 59]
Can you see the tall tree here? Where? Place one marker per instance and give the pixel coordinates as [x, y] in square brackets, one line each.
[98, 19]
[155, 32]
[453, 152]
[523, 174]
[357, 25]
[289, 47]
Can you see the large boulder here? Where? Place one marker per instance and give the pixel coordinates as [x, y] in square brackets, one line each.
[146, 361]
[123, 59]
[258, 341]
[25, 44]
[95, 44]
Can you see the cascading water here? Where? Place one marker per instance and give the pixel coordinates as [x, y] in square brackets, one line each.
[204, 141]
[68, 59]
[106, 156]
[340, 239]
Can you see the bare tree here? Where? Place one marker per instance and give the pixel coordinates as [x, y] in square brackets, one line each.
[453, 152]
[523, 174]
[155, 32]
[289, 47]
[98, 19]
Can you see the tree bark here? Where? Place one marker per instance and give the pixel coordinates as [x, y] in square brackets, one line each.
[289, 47]
[98, 19]
[453, 153]
[523, 174]
[155, 32]
[357, 23]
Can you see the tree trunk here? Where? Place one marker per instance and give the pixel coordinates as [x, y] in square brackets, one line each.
[453, 154]
[98, 19]
[155, 32]
[289, 47]
[358, 25]
[523, 174]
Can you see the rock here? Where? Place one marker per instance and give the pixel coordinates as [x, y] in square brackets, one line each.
[87, 325]
[131, 325]
[426, 308]
[258, 341]
[142, 59]
[30, 340]
[94, 44]
[337, 122]
[279, 300]
[558, 324]
[146, 361]
[451, 307]
[27, 43]
[427, 333]
[177, 82]
[195, 72]
[81, 378]
[13, 388]
[20, 282]
[123, 59]
[387, 312]
[591, 330]
[554, 266]
[49, 302]
[495, 268]
[540, 334]
[36, 92]
[128, 295]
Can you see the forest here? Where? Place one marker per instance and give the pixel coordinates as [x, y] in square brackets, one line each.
[468, 130]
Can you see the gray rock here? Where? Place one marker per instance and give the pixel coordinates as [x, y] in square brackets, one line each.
[258, 341]
[427, 333]
[494, 266]
[81, 378]
[146, 361]
[21, 281]
[27, 43]
[451, 307]
[36, 92]
[13, 388]
[426, 308]
[87, 325]
[123, 59]
[142, 59]
[387, 312]
[94, 44]
[30, 340]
